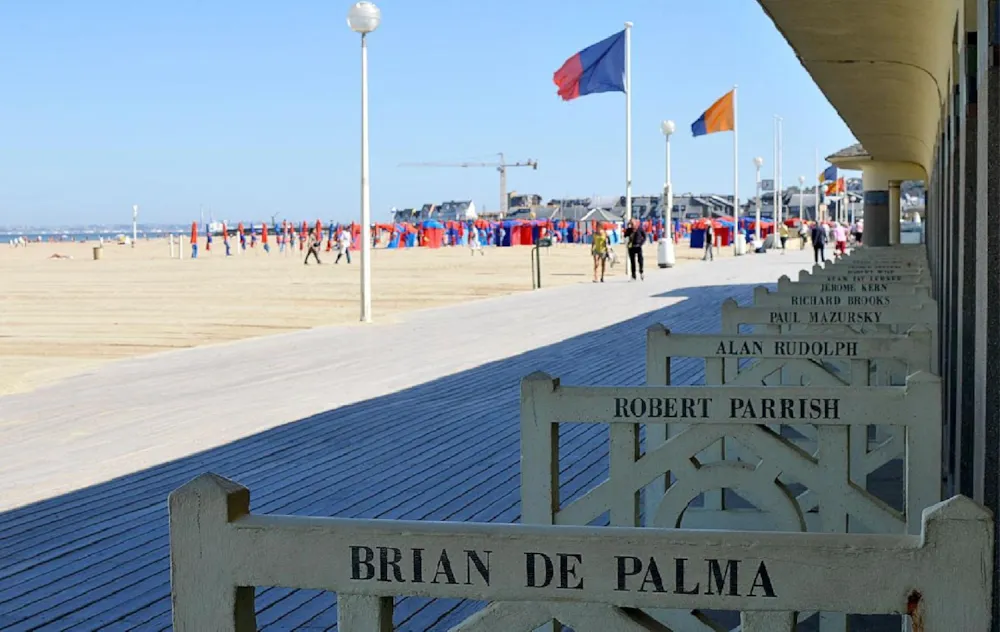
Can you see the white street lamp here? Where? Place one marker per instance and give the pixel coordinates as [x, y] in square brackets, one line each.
[758, 162]
[665, 249]
[802, 185]
[135, 217]
[364, 17]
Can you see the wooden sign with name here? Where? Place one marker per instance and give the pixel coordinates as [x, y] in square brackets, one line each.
[910, 348]
[548, 401]
[218, 546]
[830, 297]
[733, 315]
[845, 276]
[852, 285]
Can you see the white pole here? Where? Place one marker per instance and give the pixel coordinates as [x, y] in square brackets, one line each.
[668, 206]
[756, 232]
[628, 122]
[366, 270]
[736, 178]
[135, 216]
[668, 200]
[774, 172]
[781, 165]
[816, 188]
[776, 186]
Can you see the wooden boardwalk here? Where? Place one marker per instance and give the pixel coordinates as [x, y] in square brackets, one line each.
[416, 419]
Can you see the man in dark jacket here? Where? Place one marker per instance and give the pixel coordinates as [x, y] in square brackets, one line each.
[635, 237]
[818, 238]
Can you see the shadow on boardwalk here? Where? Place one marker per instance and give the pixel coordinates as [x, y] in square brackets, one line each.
[445, 450]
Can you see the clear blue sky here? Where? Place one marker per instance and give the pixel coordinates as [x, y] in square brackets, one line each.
[251, 107]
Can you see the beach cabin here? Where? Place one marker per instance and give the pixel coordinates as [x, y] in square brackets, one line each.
[723, 232]
[433, 233]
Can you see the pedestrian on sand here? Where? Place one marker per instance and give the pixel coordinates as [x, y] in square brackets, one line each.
[344, 242]
[599, 252]
[709, 242]
[313, 248]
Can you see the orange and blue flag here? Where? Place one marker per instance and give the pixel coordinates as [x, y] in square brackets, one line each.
[720, 117]
[597, 68]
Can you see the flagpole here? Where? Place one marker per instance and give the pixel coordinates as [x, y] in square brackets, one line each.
[628, 123]
[736, 179]
[816, 167]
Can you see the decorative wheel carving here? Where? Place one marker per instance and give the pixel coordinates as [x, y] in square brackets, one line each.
[758, 484]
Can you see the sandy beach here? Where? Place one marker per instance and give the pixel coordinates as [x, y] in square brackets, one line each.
[62, 317]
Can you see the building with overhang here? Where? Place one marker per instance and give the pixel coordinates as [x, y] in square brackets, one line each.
[917, 82]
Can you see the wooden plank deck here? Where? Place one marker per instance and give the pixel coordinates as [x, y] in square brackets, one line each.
[416, 419]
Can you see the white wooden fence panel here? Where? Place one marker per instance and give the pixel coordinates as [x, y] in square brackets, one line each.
[782, 353]
[219, 552]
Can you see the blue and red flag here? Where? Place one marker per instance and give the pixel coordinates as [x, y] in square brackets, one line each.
[597, 68]
[720, 117]
[829, 174]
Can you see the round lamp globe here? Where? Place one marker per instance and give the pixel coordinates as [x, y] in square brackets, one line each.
[364, 17]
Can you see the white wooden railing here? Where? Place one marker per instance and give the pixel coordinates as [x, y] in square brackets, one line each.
[737, 414]
[782, 361]
[592, 579]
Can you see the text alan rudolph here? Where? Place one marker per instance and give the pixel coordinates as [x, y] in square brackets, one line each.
[564, 571]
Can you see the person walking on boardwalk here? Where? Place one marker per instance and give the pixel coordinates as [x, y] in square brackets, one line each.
[313, 248]
[709, 242]
[344, 241]
[635, 237]
[818, 237]
[839, 240]
[803, 234]
[783, 236]
[599, 251]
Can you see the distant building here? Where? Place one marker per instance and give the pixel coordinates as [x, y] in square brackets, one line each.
[523, 200]
[688, 207]
[444, 212]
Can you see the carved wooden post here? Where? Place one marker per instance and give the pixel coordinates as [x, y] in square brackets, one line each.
[658, 368]
[204, 592]
[539, 457]
[364, 613]
[922, 466]
[963, 531]
[767, 621]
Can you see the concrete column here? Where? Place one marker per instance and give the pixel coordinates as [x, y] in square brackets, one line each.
[945, 177]
[954, 274]
[876, 216]
[987, 364]
[965, 411]
[894, 212]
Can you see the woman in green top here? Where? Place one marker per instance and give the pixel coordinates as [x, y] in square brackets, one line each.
[599, 250]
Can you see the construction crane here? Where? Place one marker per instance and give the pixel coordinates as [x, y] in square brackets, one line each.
[501, 166]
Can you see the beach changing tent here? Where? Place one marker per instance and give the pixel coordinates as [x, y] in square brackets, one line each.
[433, 231]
